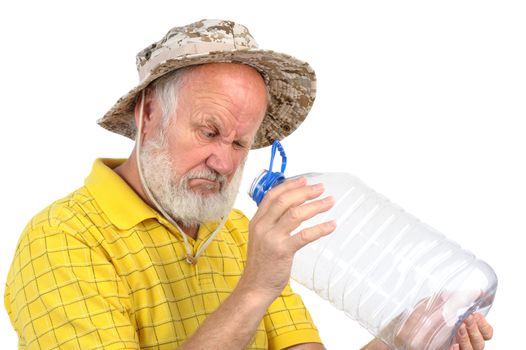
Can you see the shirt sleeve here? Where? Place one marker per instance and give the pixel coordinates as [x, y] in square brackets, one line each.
[288, 322]
[63, 293]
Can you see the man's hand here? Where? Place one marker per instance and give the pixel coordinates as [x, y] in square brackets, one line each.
[431, 323]
[473, 333]
[269, 260]
[271, 247]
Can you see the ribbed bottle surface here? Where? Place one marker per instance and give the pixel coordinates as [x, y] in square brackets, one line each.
[399, 278]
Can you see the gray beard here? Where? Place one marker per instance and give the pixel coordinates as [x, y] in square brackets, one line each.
[176, 198]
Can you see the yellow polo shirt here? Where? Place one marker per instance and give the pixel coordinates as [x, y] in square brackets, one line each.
[100, 269]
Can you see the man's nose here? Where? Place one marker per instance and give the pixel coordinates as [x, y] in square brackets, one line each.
[221, 159]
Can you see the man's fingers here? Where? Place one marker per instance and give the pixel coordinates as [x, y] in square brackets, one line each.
[294, 216]
[484, 327]
[311, 234]
[294, 194]
[283, 187]
[463, 338]
[476, 339]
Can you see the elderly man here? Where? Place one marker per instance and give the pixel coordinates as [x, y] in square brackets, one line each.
[149, 253]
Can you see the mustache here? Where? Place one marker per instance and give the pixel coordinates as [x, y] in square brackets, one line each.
[207, 174]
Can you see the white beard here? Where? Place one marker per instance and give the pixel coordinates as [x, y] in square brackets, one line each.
[173, 194]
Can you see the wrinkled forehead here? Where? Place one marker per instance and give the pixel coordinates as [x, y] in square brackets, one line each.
[225, 93]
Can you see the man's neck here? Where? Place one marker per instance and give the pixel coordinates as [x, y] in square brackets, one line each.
[190, 230]
[129, 173]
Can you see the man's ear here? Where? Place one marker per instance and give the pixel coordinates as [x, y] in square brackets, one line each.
[149, 112]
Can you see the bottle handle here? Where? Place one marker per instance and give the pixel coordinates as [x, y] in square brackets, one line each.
[277, 145]
[269, 178]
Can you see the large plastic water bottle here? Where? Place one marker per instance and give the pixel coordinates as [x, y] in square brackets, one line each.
[399, 278]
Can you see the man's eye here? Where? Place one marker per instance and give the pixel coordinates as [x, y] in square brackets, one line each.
[209, 134]
[238, 144]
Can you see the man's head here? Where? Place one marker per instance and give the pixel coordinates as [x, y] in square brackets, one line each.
[230, 96]
[198, 126]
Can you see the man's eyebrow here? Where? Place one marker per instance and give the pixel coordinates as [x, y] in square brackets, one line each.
[213, 121]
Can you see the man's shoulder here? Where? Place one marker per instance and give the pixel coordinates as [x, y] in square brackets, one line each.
[238, 219]
[61, 224]
[63, 213]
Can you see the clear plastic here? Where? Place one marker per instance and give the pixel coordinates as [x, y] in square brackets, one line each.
[399, 278]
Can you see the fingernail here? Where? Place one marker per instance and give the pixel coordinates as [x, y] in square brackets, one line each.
[469, 320]
[301, 179]
[318, 186]
[331, 224]
[329, 199]
[462, 330]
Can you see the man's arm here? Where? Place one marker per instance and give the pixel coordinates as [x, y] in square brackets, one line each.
[376, 344]
[270, 252]
[233, 324]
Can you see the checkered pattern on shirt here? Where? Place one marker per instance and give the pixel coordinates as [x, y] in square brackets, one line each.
[79, 282]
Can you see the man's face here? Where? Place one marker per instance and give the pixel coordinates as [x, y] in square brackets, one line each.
[194, 170]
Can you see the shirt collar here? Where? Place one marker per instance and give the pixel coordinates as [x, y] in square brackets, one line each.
[123, 207]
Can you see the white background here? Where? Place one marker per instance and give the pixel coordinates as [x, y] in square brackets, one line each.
[422, 100]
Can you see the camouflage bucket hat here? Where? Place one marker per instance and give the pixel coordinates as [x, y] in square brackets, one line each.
[291, 82]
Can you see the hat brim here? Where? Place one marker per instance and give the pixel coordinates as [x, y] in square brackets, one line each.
[291, 85]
